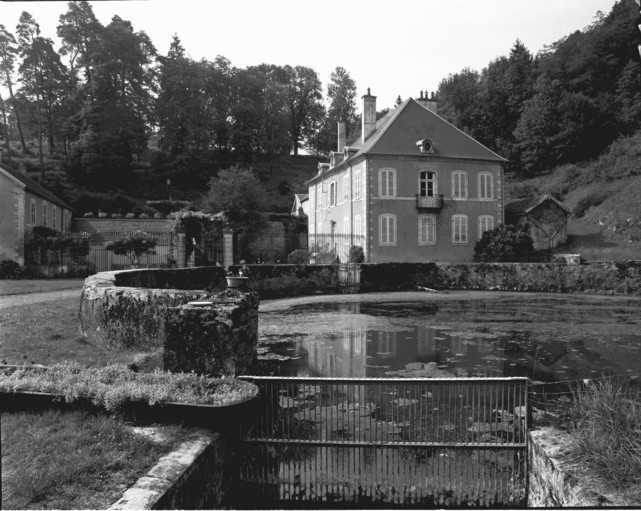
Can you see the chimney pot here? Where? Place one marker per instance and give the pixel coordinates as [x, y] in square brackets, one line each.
[369, 115]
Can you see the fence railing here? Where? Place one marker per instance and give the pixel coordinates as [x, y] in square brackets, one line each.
[327, 247]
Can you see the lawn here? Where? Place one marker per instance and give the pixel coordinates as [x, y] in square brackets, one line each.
[13, 287]
[75, 459]
[49, 333]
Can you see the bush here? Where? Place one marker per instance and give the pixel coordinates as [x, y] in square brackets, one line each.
[356, 254]
[10, 269]
[503, 244]
[299, 256]
[134, 245]
[604, 424]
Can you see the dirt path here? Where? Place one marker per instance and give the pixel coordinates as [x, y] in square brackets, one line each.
[29, 298]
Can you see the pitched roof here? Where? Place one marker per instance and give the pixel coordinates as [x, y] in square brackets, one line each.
[35, 187]
[302, 196]
[525, 206]
[397, 132]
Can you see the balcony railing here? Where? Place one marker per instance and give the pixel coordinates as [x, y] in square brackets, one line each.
[433, 202]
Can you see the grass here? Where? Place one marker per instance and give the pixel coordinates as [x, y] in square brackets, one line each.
[74, 460]
[15, 287]
[604, 422]
[112, 386]
[47, 333]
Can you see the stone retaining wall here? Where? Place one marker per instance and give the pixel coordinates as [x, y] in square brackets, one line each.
[194, 476]
[555, 480]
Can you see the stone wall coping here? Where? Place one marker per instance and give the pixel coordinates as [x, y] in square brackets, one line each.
[566, 482]
[149, 489]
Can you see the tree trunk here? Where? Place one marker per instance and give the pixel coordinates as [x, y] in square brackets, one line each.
[25, 151]
[39, 108]
[6, 129]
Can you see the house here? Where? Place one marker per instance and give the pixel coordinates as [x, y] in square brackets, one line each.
[24, 204]
[411, 188]
[544, 218]
[301, 204]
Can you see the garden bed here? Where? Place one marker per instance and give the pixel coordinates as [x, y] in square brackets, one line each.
[157, 396]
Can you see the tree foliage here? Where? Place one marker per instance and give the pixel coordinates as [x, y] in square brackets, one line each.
[504, 243]
[133, 245]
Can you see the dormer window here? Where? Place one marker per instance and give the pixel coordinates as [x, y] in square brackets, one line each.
[426, 146]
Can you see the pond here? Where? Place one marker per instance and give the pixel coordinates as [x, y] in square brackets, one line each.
[548, 338]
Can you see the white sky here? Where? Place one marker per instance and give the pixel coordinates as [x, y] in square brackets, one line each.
[399, 47]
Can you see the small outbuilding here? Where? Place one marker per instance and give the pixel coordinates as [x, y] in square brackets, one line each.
[543, 217]
[301, 204]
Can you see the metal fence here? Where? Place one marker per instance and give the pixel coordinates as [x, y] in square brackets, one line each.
[393, 442]
[268, 247]
[326, 248]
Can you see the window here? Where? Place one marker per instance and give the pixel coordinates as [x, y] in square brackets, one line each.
[54, 216]
[357, 184]
[426, 230]
[332, 194]
[357, 225]
[486, 186]
[63, 226]
[44, 214]
[459, 185]
[387, 183]
[486, 223]
[427, 186]
[387, 230]
[320, 228]
[346, 188]
[459, 229]
[32, 210]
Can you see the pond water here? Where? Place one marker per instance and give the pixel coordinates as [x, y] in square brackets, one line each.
[548, 338]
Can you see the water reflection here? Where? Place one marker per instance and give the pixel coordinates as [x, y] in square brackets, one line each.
[541, 340]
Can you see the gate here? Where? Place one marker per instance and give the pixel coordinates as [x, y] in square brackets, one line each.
[366, 442]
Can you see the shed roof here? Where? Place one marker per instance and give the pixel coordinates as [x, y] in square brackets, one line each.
[525, 206]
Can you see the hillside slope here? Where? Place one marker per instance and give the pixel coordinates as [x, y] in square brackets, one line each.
[604, 196]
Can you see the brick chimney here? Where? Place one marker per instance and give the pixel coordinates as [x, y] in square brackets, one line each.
[428, 103]
[342, 137]
[369, 115]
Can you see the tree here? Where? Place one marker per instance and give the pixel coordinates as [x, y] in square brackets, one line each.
[8, 52]
[303, 92]
[115, 122]
[134, 245]
[30, 44]
[79, 31]
[341, 94]
[236, 192]
[459, 97]
[503, 244]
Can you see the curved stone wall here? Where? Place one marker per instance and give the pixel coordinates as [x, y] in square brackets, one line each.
[215, 336]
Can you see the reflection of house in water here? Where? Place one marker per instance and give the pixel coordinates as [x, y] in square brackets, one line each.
[376, 353]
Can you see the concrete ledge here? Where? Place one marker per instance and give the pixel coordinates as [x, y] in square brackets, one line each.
[556, 480]
[165, 483]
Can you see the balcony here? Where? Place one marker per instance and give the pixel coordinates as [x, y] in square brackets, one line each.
[433, 202]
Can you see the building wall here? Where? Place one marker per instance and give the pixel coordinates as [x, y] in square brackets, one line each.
[10, 204]
[403, 206]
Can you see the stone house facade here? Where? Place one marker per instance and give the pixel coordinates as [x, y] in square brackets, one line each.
[25, 204]
[411, 188]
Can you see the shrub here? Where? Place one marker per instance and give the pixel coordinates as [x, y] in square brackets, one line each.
[356, 254]
[10, 269]
[502, 244]
[604, 424]
[134, 245]
[299, 256]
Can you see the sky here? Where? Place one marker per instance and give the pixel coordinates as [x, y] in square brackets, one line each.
[398, 47]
